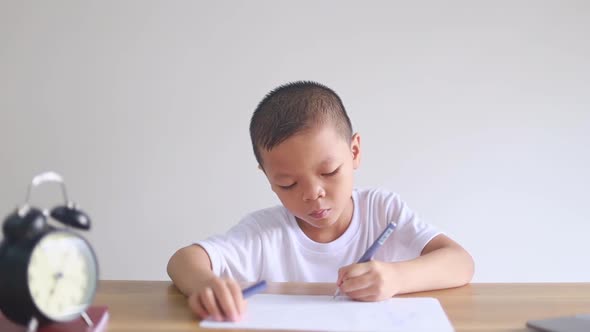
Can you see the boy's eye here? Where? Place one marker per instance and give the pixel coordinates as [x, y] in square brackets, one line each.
[288, 187]
[332, 173]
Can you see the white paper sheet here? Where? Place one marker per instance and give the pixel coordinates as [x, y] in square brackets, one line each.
[322, 313]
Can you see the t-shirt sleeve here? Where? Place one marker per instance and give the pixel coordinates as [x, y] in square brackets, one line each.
[411, 234]
[236, 254]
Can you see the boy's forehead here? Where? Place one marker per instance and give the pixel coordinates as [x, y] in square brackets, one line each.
[308, 139]
[313, 148]
[313, 135]
[279, 171]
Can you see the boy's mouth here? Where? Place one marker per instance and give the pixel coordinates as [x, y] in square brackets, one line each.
[320, 214]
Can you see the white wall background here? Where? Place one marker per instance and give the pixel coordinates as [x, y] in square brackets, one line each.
[477, 113]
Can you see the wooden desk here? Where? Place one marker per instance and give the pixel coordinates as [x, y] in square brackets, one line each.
[158, 306]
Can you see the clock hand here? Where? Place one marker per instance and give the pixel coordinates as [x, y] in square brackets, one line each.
[57, 277]
[59, 274]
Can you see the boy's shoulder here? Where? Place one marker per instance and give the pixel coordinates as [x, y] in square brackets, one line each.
[376, 201]
[271, 222]
[275, 214]
[376, 195]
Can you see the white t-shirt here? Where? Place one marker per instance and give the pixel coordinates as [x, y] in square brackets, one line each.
[268, 244]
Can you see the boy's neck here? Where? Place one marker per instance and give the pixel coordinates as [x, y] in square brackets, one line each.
[331, 233]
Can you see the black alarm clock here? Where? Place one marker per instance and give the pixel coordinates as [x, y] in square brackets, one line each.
[47, 273]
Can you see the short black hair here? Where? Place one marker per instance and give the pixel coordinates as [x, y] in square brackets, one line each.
[292, 108]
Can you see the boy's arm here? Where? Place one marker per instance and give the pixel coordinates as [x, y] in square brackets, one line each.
[208, 295]
[442, 264]
[190, 269]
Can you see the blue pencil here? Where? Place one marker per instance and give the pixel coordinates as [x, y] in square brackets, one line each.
[368, 255]
[254, 289]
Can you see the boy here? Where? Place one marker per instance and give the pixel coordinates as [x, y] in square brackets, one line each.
[303, 142]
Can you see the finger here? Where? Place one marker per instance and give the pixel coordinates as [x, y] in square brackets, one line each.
[343, 272]
[196, 307]
[368, 298]
[355, 270]
[207, 298]
[356, 284]
[239, 301]
[367, 293]
[225, 300]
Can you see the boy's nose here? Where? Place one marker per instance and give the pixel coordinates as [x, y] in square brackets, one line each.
[313, 193]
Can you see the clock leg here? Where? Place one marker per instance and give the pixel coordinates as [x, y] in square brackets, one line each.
[33, 324]
[87, 319]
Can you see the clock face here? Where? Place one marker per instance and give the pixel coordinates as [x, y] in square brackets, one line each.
[62, 275]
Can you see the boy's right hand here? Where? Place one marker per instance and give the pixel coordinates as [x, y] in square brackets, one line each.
[219, 299]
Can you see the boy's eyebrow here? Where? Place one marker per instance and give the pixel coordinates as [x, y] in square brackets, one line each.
[328, 160]
[281, 175]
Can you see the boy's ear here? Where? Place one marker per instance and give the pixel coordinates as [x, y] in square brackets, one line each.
[355, 148]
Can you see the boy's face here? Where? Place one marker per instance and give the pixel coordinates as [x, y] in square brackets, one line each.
[312, 174]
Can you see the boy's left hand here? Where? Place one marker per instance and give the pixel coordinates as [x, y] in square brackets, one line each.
[370, 281]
